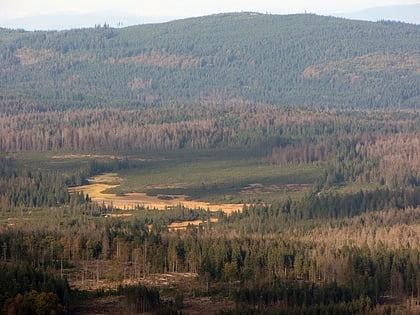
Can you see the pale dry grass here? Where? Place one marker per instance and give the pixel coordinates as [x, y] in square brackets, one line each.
[182, 282]
[175, 226]
[129, 201]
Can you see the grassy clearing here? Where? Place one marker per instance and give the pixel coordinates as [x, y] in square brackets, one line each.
[233, 176]
[67, 162]
[100, 184]
[176, 226]
[217, 180]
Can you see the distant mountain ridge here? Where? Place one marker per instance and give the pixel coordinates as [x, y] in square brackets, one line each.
[74, 21]
[409, 13]
[290, 60]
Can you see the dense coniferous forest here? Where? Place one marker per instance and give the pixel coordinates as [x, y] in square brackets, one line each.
[298, 137]
[297, 60]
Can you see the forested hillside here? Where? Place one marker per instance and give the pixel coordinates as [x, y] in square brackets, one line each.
[229, 164]
[297, 60]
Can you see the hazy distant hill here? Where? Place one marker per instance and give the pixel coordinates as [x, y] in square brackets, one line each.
[293, 60]
[69, 21]
[409, 13]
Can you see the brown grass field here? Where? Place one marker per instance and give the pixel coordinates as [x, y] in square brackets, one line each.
[100, 183]
[175, 226]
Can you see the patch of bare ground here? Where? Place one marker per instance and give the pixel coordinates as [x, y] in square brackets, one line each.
[93, 276]
[176, 226]
[184, 283]
[167, 283]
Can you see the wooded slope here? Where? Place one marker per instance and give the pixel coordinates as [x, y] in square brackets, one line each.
[295, 60]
